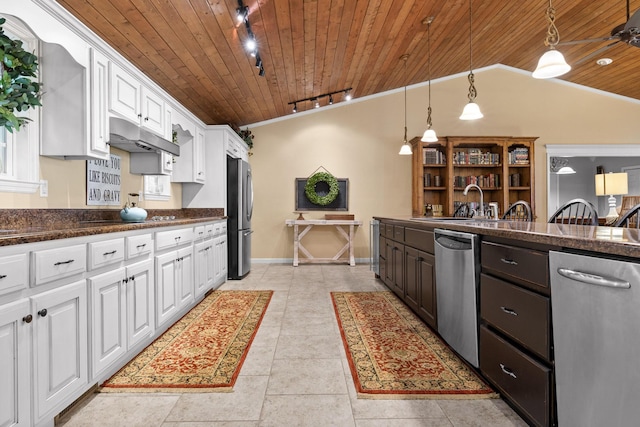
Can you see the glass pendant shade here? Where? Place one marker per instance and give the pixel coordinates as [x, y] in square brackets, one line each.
[551, 64]
[405, 150]
[471, 112]
[565, 170]
[429, 136]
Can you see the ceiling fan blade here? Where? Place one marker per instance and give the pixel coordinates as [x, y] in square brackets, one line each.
[595, 53]
[634, 21]
[599, 39]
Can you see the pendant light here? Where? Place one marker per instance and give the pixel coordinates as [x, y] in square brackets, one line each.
[405, 150]
[429, 134]
[471, 110]
[552, 63]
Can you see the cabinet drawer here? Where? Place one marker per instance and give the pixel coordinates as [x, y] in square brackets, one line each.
[519, 313]
[105, 252]
[199, 232]
[54, 264]
[388, 231]
[523, 381]
[173, 238]
[398, 233]
[527, 267]
[138, 245]
[14, 273]
[419, 239]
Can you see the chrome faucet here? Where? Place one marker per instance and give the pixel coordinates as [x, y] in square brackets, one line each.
[479, 212]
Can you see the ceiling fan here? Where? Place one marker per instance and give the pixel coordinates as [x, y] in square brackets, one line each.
[628, 33]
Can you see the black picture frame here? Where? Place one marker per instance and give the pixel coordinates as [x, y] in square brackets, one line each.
[341, 203]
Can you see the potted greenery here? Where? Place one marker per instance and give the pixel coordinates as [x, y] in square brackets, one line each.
[246, 136]
[17, 90]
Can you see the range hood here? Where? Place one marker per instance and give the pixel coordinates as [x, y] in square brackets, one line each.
[130, 137]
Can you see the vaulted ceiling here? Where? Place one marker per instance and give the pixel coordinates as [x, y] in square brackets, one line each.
[193, 48]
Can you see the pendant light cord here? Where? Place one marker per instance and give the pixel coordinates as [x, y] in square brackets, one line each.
[553, 36]
[405, 57]
[429, 72]
[472, 88]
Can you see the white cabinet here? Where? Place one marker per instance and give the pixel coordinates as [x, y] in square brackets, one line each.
[121, 313]
[59, 347]
[174, 283]
[74, 113]
[190, 167]
[14, 274]
[204, 266]
[131, 100]
[220, 260]
[236, 147]
[15, 356]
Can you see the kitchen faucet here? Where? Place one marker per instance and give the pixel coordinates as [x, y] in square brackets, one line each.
[480, 212]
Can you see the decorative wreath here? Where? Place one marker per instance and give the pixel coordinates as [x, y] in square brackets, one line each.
[313, 196]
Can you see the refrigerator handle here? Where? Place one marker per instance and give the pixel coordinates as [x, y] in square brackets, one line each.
[246, 233]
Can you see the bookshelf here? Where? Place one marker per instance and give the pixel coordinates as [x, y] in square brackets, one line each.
[502, 166]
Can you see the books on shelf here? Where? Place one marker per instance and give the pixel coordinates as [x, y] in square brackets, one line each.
[432, 180]
[433, 156]
[514, 180]
[491, 180]
[519, 156]
[475, 156]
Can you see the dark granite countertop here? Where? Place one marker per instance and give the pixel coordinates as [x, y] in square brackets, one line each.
[19, 226]
[607, 240]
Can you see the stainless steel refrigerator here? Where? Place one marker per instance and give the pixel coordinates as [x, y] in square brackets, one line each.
[239, 212]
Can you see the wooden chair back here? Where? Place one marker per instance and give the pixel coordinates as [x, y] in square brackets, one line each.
[519, 211]
[576, 211]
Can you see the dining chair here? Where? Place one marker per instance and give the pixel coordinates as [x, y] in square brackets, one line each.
[630, 219]
[576, 211]
[518, 211]
[463, 211]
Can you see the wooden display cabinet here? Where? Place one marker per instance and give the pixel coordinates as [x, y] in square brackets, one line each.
[502, 166]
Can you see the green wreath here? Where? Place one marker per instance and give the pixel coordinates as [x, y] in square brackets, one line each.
[313, 196]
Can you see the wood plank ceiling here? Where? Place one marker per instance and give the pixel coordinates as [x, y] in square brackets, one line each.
[193, 48]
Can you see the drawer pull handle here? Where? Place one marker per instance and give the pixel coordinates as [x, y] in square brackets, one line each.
[508, 261]
[508, 311]
[507, 371]
[69, 261]
[109, 253]
[2, 276]
[141, 246]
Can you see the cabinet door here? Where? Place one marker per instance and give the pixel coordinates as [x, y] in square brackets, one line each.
[388, 256]
[412, 277]
[140, 302]
[201, 249]
[222, 260]
[153, 113]
[186, 286]
[60, 347]
[166, 287]
[398, 269]
[14, 365]
[108, 319]
[99, 102]
[199, 160]
[124, 96]
[427, 289]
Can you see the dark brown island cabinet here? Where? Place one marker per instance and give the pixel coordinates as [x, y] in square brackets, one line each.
[515, 332]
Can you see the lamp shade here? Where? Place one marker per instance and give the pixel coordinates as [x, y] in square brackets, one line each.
[471, 111]
[405, 150]
[551, 64]
[609, 184]
[565, 170]
[429, 136]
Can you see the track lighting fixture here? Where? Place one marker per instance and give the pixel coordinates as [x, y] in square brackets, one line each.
[471, 111]
[552, 63]
[346, 96]
[250, 44]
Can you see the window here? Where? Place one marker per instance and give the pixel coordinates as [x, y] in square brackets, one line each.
[19, 151]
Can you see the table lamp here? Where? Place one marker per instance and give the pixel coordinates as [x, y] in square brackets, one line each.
[611, 184]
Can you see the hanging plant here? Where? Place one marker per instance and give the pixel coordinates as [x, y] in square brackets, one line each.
[17, 90]
[312, 194]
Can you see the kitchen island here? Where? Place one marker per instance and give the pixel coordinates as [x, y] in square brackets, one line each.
[515, 334]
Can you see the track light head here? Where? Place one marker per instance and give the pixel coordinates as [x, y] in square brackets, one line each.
[330, 99]
[347, 95]
[258, 61]
[261, 72]
[295, 107]
[242, 14]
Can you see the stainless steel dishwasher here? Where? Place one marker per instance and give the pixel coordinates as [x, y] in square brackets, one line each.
[457, 276]
[595, 306]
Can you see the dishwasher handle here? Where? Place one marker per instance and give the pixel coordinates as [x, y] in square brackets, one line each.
[454, 243]
[594, 279]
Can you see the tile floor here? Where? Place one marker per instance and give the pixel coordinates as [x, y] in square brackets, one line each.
[296, 372]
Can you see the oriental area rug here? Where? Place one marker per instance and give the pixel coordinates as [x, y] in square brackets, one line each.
[394, 355]
[203, 351]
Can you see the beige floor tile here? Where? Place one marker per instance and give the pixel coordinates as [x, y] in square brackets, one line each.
[319, 325]
[480, 413]
[308, 347]
[403, 422]
[306, 411]
[121, 409]
[307, 376]
[267, 336]
[212, 424]
[258, 361]
[243, 404]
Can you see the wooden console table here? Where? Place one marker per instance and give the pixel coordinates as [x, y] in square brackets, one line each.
[309, 223]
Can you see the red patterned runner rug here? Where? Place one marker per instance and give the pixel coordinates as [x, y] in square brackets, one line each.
[394, 355]
[203, 351]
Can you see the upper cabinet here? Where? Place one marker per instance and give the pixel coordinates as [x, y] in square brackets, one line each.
[236, 147]
[130, 99]
[190, 166]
